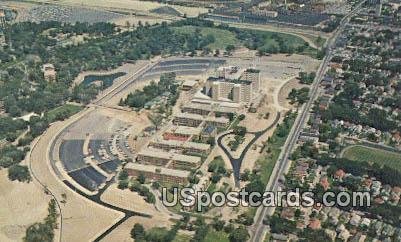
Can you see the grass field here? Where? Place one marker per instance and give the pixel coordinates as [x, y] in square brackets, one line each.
[66, 109]
[222, 37]
[292, 40]
[363, 153]
[182, 238]
[273, 149]
[216, 236]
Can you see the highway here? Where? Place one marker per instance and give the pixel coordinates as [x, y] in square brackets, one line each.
[117, 89]
[258, 230]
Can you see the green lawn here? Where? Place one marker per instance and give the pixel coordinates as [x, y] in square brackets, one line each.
[223, 38]
[65, 110]
[273, 149]
[363, 153]
[290, 39]
[182, 238]
[267, 238]
[212, 187]
[216, 236]
[269, 39]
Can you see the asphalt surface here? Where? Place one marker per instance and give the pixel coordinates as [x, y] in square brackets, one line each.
[101, 101]
[159, 67]
[237, 162]
[258, 229]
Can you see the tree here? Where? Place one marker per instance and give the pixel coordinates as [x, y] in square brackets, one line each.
[20, 173]
[150, 198]
[256, 185]
[138, 232]
[246, 175]
[230, 48]
[141, 178]
[157, 234]
[297, 213]
[156, 185]
[240, 130]
[123, 175]
[39, 232]
[239, 235]
[218, 224]
[123, 184]
[156, 120]
[44, 231]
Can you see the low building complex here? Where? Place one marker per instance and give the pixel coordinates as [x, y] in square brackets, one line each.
[169, 159]
[157, 173]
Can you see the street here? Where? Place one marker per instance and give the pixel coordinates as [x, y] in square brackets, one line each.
[257, 231]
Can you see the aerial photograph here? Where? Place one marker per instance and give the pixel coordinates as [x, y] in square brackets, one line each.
[200, 120]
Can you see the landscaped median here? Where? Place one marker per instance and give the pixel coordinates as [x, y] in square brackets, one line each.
[265, 164]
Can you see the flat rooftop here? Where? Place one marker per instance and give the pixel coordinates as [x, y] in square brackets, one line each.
[208, 106]
[157, 169]
[200, 117]
[184, 130]
[169, 156]
[184, 144]
[189, 83]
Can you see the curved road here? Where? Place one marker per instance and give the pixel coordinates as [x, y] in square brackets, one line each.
[258, 229]
[236, 162]
[96, 198]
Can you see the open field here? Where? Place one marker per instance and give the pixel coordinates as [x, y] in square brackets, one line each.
[122, 232]
[290, 39]
[382, 157]
[308, 35]
[213, 236]
[22, 204]
[182, 238]
[223, 38]
[82, 219]
[286, 89]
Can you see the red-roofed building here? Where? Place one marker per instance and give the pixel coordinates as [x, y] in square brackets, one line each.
[288, 213]
[396, 190]
[177, 137]
[325, 183]
[397, 137]
[379, 200]
[339, 174]
[367, 183]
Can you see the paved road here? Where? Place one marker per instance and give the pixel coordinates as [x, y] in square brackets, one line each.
[99, 102]
[151, 70]
[258, 229]
[236, 162]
